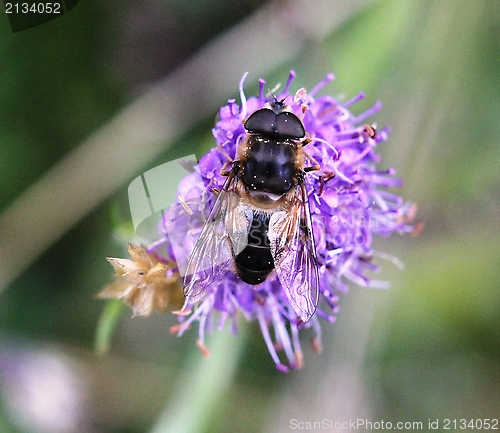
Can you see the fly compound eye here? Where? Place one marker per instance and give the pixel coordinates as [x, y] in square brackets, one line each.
[267, 122]
[288, 125]
[262, 121]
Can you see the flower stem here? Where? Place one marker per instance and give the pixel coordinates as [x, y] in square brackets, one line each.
[107, 323]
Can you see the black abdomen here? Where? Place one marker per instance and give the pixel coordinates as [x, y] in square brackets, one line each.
[255, 262]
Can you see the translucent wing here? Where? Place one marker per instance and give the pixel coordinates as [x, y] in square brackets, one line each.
[294, 253]
[222, 234]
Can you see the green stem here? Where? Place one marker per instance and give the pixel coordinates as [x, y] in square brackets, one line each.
[107, 323]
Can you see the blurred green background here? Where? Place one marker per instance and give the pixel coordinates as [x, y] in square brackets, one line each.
[82, 114]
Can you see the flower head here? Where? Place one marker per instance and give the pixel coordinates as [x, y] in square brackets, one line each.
[348, 205]
[144, 283]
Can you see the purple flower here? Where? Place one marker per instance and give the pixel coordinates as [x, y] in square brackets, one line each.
[348, 202]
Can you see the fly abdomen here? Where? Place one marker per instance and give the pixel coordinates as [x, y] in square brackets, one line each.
[255, 262]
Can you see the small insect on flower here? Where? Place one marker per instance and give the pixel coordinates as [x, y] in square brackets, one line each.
[274, 222]
[261, 220]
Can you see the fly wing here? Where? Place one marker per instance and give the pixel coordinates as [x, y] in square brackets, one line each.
[294, 254]
[213, 252]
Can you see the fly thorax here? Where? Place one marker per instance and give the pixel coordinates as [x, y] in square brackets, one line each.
[268, 170]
